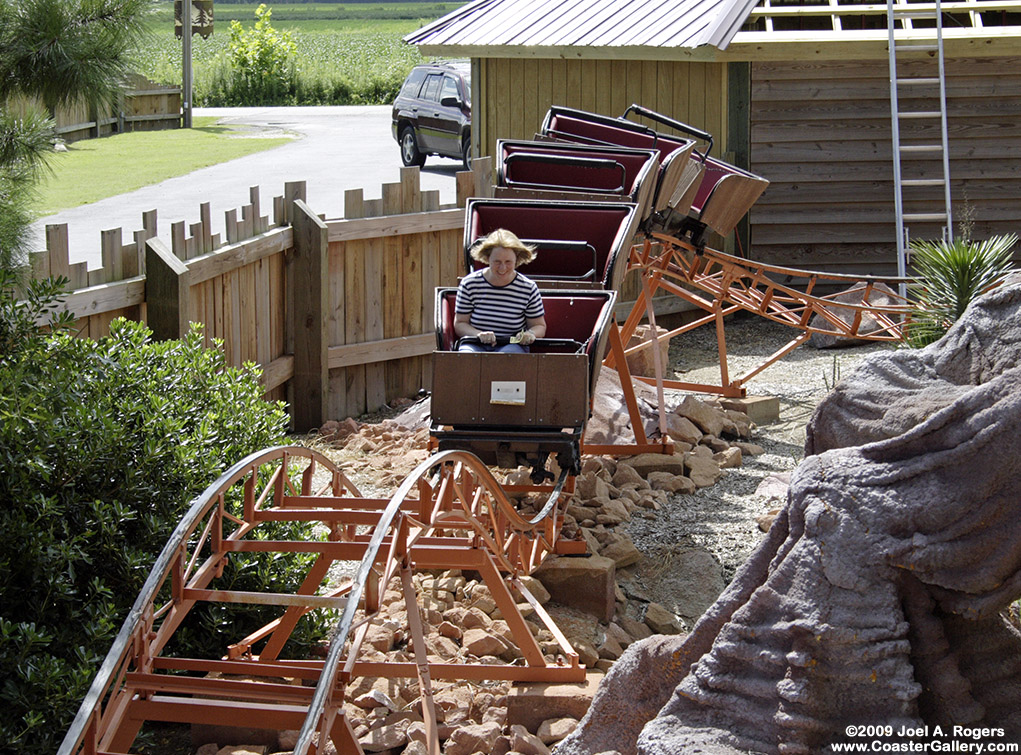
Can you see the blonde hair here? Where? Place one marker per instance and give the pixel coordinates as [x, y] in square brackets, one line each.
[502, 238]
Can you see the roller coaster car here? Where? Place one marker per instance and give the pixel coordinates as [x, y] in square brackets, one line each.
[517, 409]
[681, 166]
[725, 194]
[552, 170]
[579, 244]
[707, 194]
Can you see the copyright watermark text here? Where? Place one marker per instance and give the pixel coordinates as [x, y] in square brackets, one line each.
[956, 739]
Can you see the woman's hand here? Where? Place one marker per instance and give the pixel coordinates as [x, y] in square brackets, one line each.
[526, 338]
[487, 337]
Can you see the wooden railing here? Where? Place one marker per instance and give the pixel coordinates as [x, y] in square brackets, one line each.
[337, 312]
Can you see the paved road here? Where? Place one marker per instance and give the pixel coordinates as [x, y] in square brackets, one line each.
[337, 148]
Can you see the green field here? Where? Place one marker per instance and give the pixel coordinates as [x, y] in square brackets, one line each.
[348, 53]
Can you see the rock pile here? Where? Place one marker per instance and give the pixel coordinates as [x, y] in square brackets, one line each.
[580, 593]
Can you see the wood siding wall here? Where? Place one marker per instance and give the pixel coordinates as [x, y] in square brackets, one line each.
[513, 95]
[820, 132]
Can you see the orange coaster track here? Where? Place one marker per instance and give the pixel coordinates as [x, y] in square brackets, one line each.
[450, 513]
[860, 310]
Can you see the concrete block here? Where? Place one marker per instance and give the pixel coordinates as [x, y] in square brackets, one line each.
[762, 410]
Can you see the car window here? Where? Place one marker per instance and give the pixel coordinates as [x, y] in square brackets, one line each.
[413, 83]
[449, 88]
[431, 90]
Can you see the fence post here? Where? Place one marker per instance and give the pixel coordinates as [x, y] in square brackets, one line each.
[167, 292]
[307, 290]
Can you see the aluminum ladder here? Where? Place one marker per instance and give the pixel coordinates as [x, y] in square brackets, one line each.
[917, 187]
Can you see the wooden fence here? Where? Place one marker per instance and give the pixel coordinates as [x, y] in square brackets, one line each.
[145, 106]
[338, 313]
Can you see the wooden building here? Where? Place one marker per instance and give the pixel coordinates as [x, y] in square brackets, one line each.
[795, 90]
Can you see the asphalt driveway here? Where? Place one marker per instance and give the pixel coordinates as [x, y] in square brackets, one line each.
[335, 149]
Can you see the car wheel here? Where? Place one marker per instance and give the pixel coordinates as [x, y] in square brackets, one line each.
[409, 148]
[466, 153]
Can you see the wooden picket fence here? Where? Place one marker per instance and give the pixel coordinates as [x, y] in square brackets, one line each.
[337, 312]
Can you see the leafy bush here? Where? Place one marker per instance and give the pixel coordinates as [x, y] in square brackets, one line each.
[950, 275]
[262, 69]
[103, 443]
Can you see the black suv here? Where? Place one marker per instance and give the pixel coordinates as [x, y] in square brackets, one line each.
[432, 113]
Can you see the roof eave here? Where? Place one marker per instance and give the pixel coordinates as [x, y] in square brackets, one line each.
[538, 52]
[989, 42]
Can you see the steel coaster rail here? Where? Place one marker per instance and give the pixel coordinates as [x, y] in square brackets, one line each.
[395, 519]
[733, 283]
[461, 517]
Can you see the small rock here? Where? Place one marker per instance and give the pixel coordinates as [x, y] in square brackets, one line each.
[523, 741]
[448, 629]
[479, 642]
[671, 483]
[627, 475]
[710, 420]
[609, 648]
[416, 748]
[646, 463]
[554, 729]
[622, 550]
[637, 630]
[497, 713]
[386, 737]
[765, 521]
[682, 429]
[613, 512]
[588, 486]
[660, 620]
[729, 459]
[716, 445]
[376, 698]
[749, 449]
[702, 471]
[536, 588]
[467, 740]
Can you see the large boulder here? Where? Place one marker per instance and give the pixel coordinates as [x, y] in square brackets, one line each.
[877, 596]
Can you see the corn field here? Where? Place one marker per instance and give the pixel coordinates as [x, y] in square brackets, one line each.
[346, 61]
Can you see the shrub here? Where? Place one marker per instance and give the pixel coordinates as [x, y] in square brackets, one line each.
[262, 70]
[103, 443]
[949, 276]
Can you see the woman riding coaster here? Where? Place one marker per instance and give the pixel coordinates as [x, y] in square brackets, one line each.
[498, 302]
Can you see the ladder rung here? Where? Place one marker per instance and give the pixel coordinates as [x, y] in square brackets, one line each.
[915, 48]
[921, 114]
[914, 14]
[925, 216]
[922, 182]
[922, 148]
[918, 80]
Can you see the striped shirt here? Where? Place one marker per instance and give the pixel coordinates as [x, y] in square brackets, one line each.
[502, 309]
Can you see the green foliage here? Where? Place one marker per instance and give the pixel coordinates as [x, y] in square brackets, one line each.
[64, 51]
[337, 62]
[949, 276]
[103, 443]
[59, 51]
[262, 68]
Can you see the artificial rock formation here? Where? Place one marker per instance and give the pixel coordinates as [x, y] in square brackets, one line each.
[877, 596]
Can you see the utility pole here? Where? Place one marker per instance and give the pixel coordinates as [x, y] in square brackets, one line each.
[186, 81]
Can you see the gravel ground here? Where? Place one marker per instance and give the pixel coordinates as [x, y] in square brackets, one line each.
[721, 519]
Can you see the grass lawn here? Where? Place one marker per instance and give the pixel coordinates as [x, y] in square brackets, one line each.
[94, 169]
